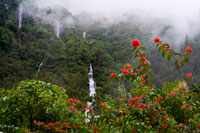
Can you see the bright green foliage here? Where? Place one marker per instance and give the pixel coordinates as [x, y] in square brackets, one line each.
[31, 100]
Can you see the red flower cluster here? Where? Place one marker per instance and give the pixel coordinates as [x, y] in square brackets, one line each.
[183, 107]
[112, 75]
[188, 49]
[72, 108]
[142, 58]
[38, 123]
[164, 126]
[117, 122]
[158, 98]
[128, 65]
[135, 43]
[181, 88]
[156, 40]
[143, 82]
[189, 75]
[134, 100]
[174, 94]
[71, 100]
[121, 99]
[126, 72]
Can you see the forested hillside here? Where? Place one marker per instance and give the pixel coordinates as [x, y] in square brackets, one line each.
[66, 59]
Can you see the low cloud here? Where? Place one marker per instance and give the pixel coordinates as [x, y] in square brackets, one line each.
[177, 17]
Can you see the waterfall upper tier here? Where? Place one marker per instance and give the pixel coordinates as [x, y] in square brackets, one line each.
[20, 10]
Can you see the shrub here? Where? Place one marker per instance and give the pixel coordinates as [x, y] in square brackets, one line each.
[31, 100]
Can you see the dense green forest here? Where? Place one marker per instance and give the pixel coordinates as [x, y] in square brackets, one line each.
[66, 59]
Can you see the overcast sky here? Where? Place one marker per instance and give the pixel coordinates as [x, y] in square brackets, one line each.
[183, 15]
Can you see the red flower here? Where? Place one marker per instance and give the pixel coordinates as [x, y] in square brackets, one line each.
[155, 113]
[126, 72]
[60, 131]
[181, 88]
[143, 82]
[183, 107]
[135, 43]
[66, 125]
[121, 99]
[41, 123]
[134, 100]
[50, 124]
[141, 105]
[174, 94]
[128, 65]
[35, 122]
[26, 131]
[71, 100]
[156, 40]
[136, 70]
[199, 126]
[164, 126]
[188, 49]
[143, 76]
[189, 75]
[169, 94]
[102, 103]
[112, 75]
[71, 107]
[142, 58]
[117, 122]
[57, 123]
[190, 107]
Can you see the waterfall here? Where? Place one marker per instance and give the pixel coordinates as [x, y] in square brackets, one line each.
[38, 69]
[92, 89]
[129, 95]
[123, 86]
[57, 29]
[92, 84]
[84, 35]
[20, 15]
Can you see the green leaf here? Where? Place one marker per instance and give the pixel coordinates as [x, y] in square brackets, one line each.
[163, 54]
[168, 57]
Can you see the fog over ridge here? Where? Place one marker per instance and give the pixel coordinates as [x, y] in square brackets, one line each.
[183, 16]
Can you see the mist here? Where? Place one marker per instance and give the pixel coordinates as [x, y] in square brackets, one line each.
[180, 16]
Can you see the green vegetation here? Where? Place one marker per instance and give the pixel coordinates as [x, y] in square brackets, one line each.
[66, 62]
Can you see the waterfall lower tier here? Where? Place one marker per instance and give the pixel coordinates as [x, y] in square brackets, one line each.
[92, 89]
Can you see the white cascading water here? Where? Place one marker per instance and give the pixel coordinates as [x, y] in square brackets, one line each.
[39, 69]
[84, 35]
[129, 95]
[57, 29]
[92, 89]
[123, 86]
[20, 15]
